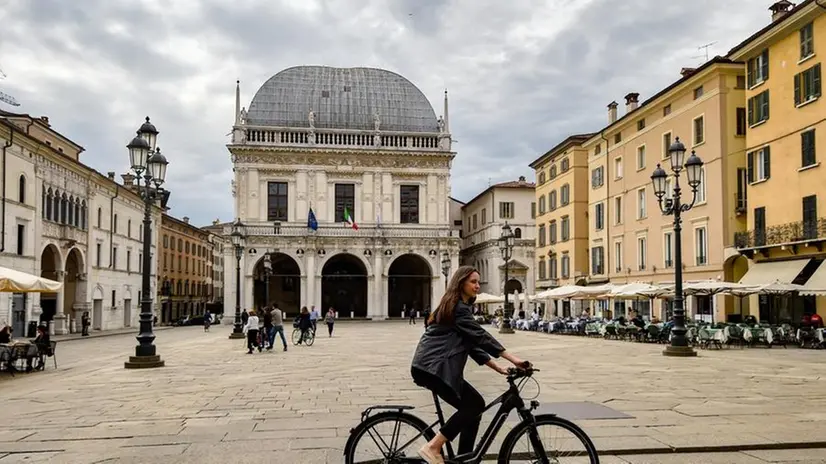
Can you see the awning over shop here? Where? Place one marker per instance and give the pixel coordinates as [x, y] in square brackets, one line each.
[775, 271]
[816, 285]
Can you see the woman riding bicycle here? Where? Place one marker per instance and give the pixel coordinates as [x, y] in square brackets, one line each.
[439, 362]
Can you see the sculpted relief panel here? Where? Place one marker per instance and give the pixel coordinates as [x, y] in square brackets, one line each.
[346, 160]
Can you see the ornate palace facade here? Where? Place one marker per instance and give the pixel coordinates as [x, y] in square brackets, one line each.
[342, 176]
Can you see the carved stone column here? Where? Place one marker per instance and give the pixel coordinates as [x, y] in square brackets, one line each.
[59, 327]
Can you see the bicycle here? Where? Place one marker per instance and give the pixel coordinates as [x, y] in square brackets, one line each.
[309, 339]
[396, 415]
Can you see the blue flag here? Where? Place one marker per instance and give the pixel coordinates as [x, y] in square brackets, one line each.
[311, 221]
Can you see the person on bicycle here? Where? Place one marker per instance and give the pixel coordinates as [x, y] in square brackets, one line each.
[304, 323]
[439, 362]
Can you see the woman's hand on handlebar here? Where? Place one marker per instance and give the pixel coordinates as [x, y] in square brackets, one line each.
[516, 361]
[495, 366]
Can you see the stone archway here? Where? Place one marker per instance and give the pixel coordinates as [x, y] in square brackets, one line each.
[284, 283]
[74, 287]
[51, 267]
[409, 285]
[513, 285]
[344, 285]
[734, 268]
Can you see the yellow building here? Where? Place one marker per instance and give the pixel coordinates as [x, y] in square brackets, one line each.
[561, 214]
[786, 231]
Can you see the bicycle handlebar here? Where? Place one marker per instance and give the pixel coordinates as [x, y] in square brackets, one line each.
[515, 373]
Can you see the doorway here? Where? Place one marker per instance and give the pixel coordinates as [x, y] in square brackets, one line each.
[127, 313]
[18, 305]
[97, 314]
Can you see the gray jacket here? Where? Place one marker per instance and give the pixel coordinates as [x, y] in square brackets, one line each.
[443, 349]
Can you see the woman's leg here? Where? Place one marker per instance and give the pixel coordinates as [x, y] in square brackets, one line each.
[330, 328]
[466, 419]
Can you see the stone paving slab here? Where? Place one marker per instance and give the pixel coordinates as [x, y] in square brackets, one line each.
[213, 403]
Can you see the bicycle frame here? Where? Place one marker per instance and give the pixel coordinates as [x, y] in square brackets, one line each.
[509, 401]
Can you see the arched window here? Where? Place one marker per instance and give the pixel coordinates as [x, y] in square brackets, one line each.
[517, 233]
[21, 192]
[100, 216]
[83, 214]
[56, 206]
[553, 171]
[64, 208]
[47, 204]
[565, 164]
[552, 200]
[77, 213]
[542, 177]
[70, 211]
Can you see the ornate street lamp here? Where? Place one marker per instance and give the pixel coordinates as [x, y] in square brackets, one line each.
[672, 206]
[237, 237]
[506, 242]
[446, 266]
[146, 160]
[266, 276]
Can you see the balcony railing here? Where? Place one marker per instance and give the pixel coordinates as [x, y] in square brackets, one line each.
[365, 231]
[793, 232]
[64, 232]
[261, 135]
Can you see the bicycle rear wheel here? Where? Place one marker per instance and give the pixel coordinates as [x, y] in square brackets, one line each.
[309, 339]
[388, 437]
[559, 440]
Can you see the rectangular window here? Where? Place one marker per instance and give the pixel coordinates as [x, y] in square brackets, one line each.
[698, 92]
[807, 41]
[666, 144]
[742, 182]
[566, 266]
[641, 212]
[113, 298]
[140, 263]
[21, 235]
[409, 205]
[276, 201]
[641, 253]
[542, 269]
[641, 124]
[668, 250]
[597, 177]
[114, 263]
[807, 143]
[666, 110]
[599, 216]
[701, 246]
[552, 232]
[699, 130]
[640, 157]
[484, 216]
[533, 210]
[760, 226]
[475, 222]
[741, 82]
[741, 121]
[506, 210]
[810, 217]
[128, 261]
[541, 235]
[618, 256]
[618, 210]
[97, 254]
[759, 165]
[758, 110]
[618, 168]
[565, 233]
[618, 138]
[598, 260]
[807, 85]
[345, 201]
[757, 68]
[552, 267]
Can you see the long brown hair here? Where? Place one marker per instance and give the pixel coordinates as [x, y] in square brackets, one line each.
[444, 312]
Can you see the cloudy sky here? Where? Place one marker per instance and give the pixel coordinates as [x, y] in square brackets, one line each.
[521, 74]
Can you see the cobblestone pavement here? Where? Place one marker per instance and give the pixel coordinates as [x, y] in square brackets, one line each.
[214, 403]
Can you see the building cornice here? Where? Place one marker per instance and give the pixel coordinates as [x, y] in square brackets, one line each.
[298, 149]
[794, 19]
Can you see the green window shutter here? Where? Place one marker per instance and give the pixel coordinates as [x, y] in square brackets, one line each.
[797, 93]
[751, 167]
[767, 161]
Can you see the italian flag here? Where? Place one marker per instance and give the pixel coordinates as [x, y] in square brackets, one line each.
[348, 219]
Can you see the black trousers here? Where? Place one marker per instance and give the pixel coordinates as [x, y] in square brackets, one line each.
[252, 339]
[469, 408]
[330, 328]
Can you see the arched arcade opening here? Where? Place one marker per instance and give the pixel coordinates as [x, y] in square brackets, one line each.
[344, 286]
[283, 288]
[50, 268]
[409, 285]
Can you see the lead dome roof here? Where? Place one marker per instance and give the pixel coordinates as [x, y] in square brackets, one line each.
[342, 98]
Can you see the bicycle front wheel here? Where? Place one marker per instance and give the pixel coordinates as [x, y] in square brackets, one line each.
[388, 437]
[296, 336]
[550, 439]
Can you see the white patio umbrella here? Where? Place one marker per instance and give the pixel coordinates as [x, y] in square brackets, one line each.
[21, 282]
[486, 298]
[713, 287]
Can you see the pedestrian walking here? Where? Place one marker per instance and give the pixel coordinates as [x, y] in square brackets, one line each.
[85, 322]
[412, 317]
[330, 319]
[314, 315]
[207, 320]
[251, 329]
[269, 329]
[278, 327]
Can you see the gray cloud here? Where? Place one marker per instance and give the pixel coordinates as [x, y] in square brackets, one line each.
[521, 75]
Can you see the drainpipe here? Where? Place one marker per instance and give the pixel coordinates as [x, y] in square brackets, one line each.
[112, 223]
[7, 145]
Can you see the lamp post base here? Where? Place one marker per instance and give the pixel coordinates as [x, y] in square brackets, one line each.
[505, 327]
[144, 362]
[236, 335]
[679, 351]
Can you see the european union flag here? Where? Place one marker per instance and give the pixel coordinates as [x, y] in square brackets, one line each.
[311, 221]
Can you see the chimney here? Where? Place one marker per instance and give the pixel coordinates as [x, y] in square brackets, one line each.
[780, 9]
[631, 102]
[612, 112]
[128, 180]
[111, 175]
[521, 178]
[186, 219]
[45, 120]
[216, 222]
[685, 72]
